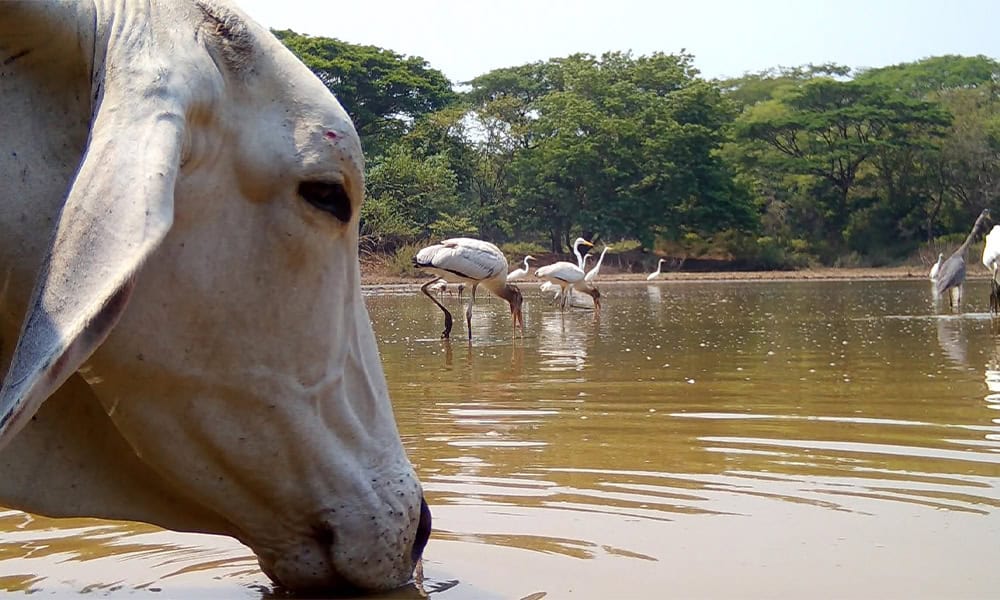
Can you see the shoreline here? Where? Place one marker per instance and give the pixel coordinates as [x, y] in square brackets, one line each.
[821, 274]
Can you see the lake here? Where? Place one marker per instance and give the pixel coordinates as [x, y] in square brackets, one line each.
[696, 439]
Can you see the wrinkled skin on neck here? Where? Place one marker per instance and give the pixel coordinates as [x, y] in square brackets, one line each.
[242, 371]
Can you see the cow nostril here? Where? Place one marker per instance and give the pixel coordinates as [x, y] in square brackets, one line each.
[423, 531]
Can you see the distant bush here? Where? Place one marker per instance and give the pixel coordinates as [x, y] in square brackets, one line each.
[518, 250]
[766, 252]
[449, 226]
[400, 263]
[623, 246]
[852, 260]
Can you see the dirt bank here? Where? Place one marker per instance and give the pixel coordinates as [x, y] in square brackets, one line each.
[912, 272]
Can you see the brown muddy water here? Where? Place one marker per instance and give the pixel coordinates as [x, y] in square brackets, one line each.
[698, 439]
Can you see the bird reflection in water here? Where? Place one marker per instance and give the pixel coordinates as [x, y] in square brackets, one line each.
[655, 297]
[953, 340]
[516, 359]
[992, 377]
[563, 341]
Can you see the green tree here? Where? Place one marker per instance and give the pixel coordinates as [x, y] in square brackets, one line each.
[409, 198]
[383, 92]
[753, 88]
[959, 178]
[830, 130]
[617, 145]
[936, 74]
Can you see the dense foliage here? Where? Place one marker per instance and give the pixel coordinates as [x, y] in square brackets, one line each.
[819, 163]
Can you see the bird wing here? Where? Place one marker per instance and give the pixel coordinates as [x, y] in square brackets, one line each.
[991, 251]
[561, 271]
[516, 274]
[951, 274]
[465, 257]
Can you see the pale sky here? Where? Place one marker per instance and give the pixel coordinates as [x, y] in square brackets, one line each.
[466, 38]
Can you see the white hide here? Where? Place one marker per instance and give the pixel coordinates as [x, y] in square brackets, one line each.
[182, 335]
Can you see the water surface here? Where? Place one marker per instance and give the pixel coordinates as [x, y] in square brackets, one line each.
[758, 439]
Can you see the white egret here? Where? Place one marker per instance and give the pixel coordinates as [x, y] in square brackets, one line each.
[576, 250]
[991, 259]
[951, 275]
[592, 274]
[567, 276]
[519, 273]
[934, 270]
[581, 262]
[438, 286]
[655, 274]
[548, 286]
[472, 262]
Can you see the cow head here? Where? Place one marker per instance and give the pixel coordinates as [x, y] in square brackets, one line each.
[203, 280]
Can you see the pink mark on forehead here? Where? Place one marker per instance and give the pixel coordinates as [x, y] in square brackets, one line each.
[330, 135]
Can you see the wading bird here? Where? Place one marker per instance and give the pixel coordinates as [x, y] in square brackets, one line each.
[576, 250]
[951, 275]
[991, 258]
[438, 287]
[592, 274]
[937, 266]
[568, 276]
[519, 273]
[548, 286]
[472, 262]
[655, 274]
[581, 261]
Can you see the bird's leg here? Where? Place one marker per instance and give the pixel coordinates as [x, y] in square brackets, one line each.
[468, 311]
[447, 315]
[517, 316]
[993, 287]
[994, 292]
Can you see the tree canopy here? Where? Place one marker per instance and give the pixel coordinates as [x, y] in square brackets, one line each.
[382, 91]
[817, 163]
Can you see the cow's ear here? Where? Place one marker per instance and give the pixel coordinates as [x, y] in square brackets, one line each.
[117, 211]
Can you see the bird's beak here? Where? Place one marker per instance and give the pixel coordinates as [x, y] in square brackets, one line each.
[588, 243]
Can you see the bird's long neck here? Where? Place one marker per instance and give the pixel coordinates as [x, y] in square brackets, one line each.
[507, 292]
[579, 257]
[526, 267]
[972, 236]
[601, 259]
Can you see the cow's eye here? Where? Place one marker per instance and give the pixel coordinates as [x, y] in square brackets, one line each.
[329, 197]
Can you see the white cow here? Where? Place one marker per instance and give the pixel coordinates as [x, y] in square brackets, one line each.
[182, 335]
